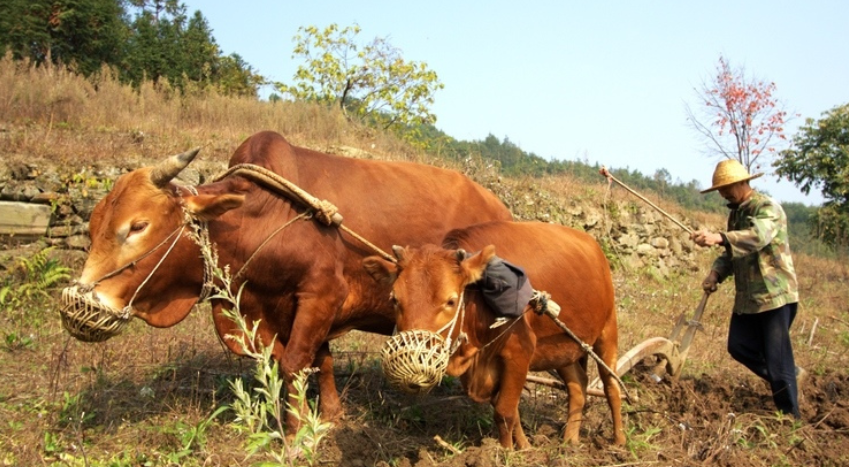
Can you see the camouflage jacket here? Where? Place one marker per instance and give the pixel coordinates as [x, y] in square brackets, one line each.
[757, 253]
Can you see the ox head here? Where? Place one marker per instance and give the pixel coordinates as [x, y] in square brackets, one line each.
[141, 262]
[427, 282]
[427, 291]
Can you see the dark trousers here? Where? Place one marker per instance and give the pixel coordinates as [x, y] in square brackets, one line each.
[761, 342]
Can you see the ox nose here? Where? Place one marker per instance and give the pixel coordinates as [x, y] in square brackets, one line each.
[88, 318]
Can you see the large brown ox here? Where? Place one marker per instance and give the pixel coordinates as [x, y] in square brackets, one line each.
[306, 284]
[434, 285]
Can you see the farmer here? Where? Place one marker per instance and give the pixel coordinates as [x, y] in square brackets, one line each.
[757, 253]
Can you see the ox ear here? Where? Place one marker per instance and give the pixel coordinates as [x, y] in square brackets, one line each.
[475, 265]
[208, 207]
[381, 270]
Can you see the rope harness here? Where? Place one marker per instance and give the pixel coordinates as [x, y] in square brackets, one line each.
[414, 360]
[326, 212]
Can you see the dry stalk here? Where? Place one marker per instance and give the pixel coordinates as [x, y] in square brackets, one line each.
[441, 442]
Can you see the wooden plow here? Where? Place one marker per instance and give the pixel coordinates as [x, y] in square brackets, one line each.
[661, 353]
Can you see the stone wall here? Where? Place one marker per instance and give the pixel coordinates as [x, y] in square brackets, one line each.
[633, 234]
[68, 194]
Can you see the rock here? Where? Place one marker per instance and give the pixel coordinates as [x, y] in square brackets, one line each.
[19, 192]
[630, 240]
[22, 171]
[659, 243]
[189, 176]
[46, 197]
[18, 218]
[633, 262]
[49, 182]
[61, 231]
[685, 242]
[644, 249]
[647, 217]
[675, 246]
[78, 242]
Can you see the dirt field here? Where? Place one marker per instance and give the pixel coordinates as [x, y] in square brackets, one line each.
[145, 397]
[149, 397]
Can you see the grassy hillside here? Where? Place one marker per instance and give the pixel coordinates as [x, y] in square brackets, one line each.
[147, 397]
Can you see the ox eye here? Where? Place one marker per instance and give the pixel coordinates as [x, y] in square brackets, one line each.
[137, 227]
[452, 302]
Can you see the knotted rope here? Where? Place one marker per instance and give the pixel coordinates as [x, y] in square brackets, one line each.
[325, 211]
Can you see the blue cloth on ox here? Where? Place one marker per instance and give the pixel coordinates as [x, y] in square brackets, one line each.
[505, 288]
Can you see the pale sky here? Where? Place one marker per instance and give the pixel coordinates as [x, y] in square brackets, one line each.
[603, 81]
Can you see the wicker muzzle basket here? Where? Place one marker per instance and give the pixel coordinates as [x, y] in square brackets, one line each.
[415, 361]
[88, 319]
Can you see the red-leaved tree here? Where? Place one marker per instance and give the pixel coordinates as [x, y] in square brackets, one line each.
[740, 118]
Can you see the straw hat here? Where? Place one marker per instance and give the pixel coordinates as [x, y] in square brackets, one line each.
[729, 172]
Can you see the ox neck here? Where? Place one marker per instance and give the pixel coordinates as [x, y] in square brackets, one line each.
[199, 234]
[481, 333]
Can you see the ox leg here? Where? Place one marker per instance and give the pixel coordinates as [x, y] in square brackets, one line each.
[519, 433]
[506, 405]
[309, 333]
[508, 421]
[607, 351]
[328, 396]
[575, 377]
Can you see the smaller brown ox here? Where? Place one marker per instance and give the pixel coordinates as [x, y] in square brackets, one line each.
[432, 284]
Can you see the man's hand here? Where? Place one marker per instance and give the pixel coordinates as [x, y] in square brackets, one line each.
[706, 238]
[709, 284]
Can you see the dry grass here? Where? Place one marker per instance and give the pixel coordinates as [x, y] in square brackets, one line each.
[53, 114]
[143, 398]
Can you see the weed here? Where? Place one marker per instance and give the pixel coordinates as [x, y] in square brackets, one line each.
[639, 441]
[191, 436]
[261, 413]
[73, 410]
[23, 295]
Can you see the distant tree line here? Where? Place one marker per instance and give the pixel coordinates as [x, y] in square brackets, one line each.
[138, 39]
[515, 162]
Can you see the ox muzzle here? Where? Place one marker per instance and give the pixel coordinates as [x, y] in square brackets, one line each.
[415, 360]
[88, 319]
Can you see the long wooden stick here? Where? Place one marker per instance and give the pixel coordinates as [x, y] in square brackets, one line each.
[604, 172]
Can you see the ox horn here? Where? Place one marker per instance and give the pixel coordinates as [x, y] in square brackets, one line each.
[166, 170]
[399, 252]
[461, 255]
